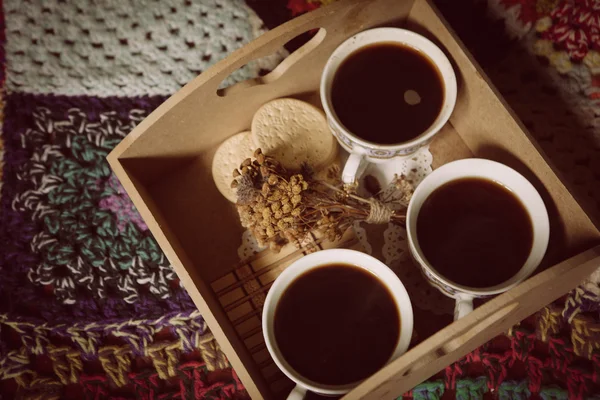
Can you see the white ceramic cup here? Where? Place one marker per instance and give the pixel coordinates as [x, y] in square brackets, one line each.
[316, 260]
[362, 151]
[509, 178]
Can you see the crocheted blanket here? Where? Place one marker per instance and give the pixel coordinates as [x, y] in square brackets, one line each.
[91, 308]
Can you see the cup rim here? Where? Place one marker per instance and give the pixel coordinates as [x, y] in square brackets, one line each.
[540, 224]
[319, 259]
[408, 38]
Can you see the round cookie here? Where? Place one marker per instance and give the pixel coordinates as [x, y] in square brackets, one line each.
[230, 154]
[294, 132]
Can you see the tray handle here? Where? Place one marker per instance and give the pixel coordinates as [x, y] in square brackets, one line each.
[487, 321]
[269, 43]
[457, 342]
[337, 22]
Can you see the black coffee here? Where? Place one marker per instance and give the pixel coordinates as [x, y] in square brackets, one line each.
[387, 93]
[475, 232]
[337, 324]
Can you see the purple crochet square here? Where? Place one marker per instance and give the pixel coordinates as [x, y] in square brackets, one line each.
[74, 247]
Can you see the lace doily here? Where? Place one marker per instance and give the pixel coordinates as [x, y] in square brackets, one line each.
[415, 168]
[124, 48]
[249, 246]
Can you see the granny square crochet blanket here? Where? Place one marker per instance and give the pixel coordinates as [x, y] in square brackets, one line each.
[90, 308]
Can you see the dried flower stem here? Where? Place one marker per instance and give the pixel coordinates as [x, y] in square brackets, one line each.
[279, 207]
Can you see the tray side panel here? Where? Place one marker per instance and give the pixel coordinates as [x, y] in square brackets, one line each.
[492, 130]
[487, 321]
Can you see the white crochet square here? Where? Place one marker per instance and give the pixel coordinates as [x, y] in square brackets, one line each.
[124, 48]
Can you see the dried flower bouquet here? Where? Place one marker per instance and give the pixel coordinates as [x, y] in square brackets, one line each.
[278, 206]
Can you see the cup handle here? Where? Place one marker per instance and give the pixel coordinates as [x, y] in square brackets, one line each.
[297, 393]
[463, 306]
[355, 166]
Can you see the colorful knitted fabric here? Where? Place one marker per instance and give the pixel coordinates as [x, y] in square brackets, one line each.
[89, 305]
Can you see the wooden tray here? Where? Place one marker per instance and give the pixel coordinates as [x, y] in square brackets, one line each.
[165, 163]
